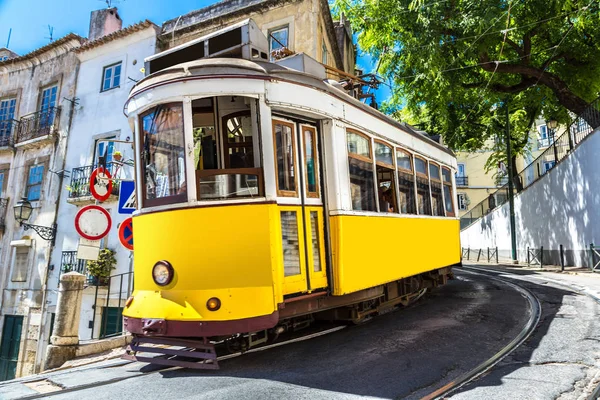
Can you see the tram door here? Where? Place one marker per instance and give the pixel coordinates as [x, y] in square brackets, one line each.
[301, 206]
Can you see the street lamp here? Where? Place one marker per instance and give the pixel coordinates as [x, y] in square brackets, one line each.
[552, 124]
[23, 211]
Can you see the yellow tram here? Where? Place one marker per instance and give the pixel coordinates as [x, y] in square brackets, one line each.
[268, 197]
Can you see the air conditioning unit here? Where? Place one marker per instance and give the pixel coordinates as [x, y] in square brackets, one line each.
[242, 40]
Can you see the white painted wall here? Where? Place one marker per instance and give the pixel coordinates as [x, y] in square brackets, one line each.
[100, 114]
[563, 207]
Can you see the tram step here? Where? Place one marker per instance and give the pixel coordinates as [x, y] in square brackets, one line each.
[191, 354]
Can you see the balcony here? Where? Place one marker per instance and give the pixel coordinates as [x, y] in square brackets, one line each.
[462, 181]
[544, 142]
[8, 129]
[38, 126]
[3, 207]
[69, 263]
[79, 188]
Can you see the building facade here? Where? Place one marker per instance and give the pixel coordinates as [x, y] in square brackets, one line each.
[36, 110]
[474, 184]
[110, 64]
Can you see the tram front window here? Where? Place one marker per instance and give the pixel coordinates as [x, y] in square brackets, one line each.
[224, 145]
[163, 155]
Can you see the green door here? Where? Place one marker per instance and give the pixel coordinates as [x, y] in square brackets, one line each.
[112, 321]
[9, 347]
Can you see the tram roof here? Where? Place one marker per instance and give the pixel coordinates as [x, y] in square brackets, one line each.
[235, 66]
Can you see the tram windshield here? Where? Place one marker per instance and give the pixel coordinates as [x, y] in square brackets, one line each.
[226, 152]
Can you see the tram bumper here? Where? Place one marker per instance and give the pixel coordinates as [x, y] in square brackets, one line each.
[175, 328]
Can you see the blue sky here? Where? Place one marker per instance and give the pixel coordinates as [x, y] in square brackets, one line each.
[29, 20]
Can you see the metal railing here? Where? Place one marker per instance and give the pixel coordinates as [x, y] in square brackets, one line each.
[38, 124]
[69, 263]
[80, 181]
[119, 288]
[559, 149]
[8, 129]
[462, 181]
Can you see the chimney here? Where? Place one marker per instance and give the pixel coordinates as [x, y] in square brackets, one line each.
[104, 22]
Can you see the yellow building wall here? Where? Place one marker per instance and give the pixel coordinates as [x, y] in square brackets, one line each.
[370, 250]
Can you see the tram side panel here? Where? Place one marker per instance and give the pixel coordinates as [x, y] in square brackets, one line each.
[368, 250]
[224, 252]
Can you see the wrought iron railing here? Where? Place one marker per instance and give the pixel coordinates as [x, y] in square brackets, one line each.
[80, 181]
[38, 124]
[8, 129]
[462, 181]
[69, 263]
[561, 147]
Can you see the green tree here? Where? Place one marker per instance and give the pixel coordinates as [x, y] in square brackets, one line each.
[455, 64]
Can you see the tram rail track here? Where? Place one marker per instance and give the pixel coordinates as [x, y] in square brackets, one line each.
[524, 334]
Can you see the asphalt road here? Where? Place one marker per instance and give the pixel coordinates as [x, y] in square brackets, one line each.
[404, 354]
[561, 360]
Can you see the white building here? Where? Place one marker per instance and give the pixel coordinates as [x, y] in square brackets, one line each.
[110, 63]
[35, 117]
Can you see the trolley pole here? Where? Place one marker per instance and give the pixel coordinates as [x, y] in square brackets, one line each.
[511, 200]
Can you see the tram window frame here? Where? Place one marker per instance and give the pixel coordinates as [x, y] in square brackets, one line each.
[411, 202]
[367, 160]
[436, 181]
[285, 192]
[165, 200]
[427, 209]
[313, 130]
[447, 183]
[381, 166]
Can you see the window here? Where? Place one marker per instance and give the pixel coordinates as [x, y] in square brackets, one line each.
[111, 77]
[33, 188]
[460, 170]
[386, 190]
[7, 114]
[3, 181]
[285, 158]
[278, 39]
[105, 149]
[423, 199]
[406, 182]
[311, 162]
[20, 264]
[163, 155]
[324, 53]
[290, 243]
[360, 164]
[447, 181]
[543, 131]
[462, 201]
[47, 107]
[437, 204]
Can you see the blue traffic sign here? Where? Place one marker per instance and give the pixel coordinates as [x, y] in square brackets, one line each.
[127, 197]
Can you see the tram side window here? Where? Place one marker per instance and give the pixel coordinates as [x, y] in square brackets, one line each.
[360, 165]
[163, 155]
[423, 201]
[436, 190]
[205, 135]
[447, 181]
[285, 156]
[386, 190]
[406, 182]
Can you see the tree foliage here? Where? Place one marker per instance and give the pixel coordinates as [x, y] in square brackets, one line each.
[441, 56]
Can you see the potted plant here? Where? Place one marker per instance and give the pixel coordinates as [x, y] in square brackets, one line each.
[117, 156]
[100, 269]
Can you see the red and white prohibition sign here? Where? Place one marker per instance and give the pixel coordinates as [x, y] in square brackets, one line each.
[101, 184]
[93, 222]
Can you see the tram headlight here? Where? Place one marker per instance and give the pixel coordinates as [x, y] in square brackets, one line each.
[162, 273]
[213, 304]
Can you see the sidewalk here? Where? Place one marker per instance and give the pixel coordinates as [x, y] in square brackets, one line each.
[578, 278]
